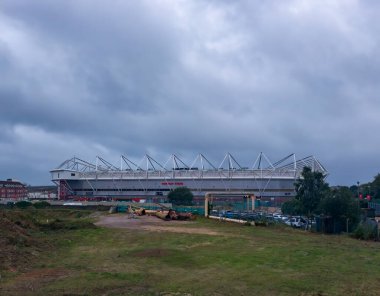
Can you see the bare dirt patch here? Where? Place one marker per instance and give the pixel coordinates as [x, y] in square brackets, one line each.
[152, 253]
[151, 223]
[179, 229]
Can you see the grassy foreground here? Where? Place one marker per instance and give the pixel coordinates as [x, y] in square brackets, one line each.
[82, 260]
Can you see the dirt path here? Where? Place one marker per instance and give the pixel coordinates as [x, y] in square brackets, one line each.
[151, 223]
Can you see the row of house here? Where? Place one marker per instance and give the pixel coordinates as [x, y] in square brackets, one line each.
[14, 189]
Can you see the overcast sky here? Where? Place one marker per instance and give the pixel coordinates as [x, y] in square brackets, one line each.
[85, 78]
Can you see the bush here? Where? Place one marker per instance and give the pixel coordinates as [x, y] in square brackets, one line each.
[365, 231]
[23, 204]
[58, 224]
[10, 204]
[263, 221]
[41, 204]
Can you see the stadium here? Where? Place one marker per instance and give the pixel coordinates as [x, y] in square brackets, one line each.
[152, 181]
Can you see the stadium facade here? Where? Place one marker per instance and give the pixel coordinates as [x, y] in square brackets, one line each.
[79, 179]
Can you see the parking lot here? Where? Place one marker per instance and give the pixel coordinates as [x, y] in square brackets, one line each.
[267, 218]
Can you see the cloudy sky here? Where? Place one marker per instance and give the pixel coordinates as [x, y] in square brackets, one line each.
[92, 77]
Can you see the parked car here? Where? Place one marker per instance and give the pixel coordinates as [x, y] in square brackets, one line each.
[277, 217]
[214, 213]
[249, 216]
[296, 222]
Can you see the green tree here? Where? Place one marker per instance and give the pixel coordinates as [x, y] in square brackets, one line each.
[355, 190]
[375, 187]
[181, 196]
[340, 204]
[291, 207]
[311, 188]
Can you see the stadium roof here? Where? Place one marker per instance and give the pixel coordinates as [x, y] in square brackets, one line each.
[286, 165]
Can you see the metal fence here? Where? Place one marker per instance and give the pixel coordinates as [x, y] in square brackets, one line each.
[376, 206]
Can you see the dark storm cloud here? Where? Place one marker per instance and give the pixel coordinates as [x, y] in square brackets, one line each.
[90, 78]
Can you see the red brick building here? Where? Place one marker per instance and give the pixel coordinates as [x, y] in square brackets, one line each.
[12, 189]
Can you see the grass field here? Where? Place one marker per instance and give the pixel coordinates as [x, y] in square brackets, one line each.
[236, 260]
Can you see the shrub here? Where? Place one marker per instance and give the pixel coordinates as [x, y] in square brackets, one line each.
[41, 204]
[23, 204]
[58, 224]
[366, 231]
[10, 204]
[262, 221]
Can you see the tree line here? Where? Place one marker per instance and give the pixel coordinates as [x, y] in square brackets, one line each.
[314, 197]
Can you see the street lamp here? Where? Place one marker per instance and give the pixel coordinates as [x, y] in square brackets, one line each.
[358, 188]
